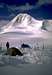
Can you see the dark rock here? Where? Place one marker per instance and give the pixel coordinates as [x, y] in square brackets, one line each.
[25, 46]
[14, 51]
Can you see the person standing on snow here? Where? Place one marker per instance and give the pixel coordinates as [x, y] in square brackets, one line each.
[7, 45]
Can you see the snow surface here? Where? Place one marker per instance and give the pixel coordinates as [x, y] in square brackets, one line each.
[26, 69]
[25, 29]
[40, 52]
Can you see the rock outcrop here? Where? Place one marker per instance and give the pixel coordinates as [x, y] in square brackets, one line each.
[14, 51]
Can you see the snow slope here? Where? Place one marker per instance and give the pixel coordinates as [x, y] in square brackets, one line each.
[22, 22]
[24, 25]
[30, 69]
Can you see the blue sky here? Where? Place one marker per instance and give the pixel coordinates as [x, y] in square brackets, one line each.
[40, 9]
[18, 2]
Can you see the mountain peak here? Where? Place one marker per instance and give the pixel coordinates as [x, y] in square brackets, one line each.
[22, 22]
[22, 16]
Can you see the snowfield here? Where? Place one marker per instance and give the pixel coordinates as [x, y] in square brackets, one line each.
[36, 57]
[26, 69]
[25, 29]
[39, 53]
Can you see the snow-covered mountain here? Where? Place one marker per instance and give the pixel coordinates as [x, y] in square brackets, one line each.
[26, 29]
[25, 25]
[22, 23]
